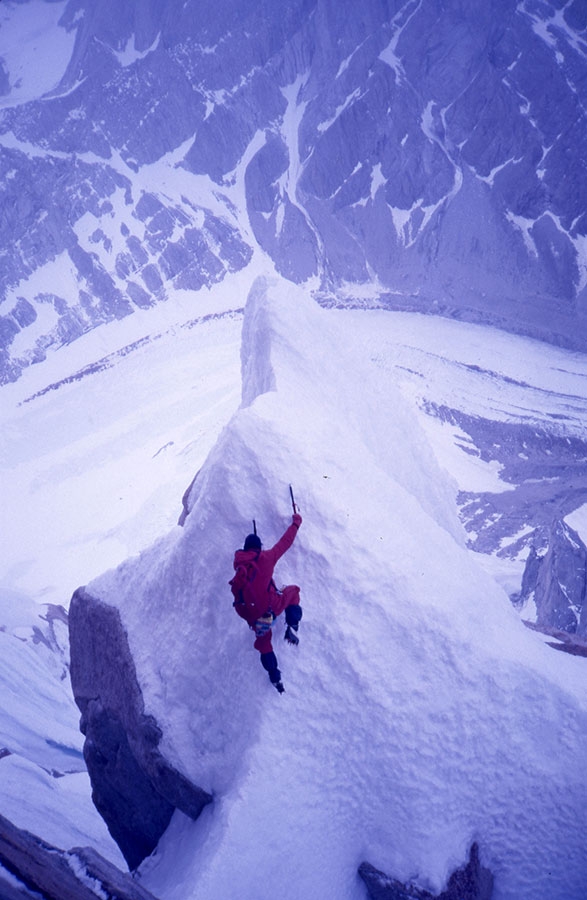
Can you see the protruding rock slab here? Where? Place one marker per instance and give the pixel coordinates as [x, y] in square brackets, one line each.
[471, 882]
[134, 788]
[81, 874]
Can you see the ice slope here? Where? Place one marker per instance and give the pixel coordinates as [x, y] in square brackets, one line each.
[419, 714]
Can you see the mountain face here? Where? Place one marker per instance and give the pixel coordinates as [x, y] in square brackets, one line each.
[429, 155]
[557, 582]
[425, 156]
[542, 480]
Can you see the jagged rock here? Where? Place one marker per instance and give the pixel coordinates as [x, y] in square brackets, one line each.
[568, 643]
[118, 884]
[185, 508]
[81, 874]
[559, 581]
[529, 578]
[134, 788]
[135, 812]
[471, 882]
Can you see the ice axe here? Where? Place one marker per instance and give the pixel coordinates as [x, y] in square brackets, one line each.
[293, 502]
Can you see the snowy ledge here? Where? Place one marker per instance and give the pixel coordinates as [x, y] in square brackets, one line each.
[470, 882]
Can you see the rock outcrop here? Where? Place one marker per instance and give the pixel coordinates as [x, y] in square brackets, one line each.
[471, 882]
[558, 582]
[41, 868]
[567, 643]
[134, 787]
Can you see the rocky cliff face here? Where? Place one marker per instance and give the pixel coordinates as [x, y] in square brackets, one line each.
[135, 789]
[433, 150]
[557, 581]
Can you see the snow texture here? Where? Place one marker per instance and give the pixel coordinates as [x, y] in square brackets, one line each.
[45, 786]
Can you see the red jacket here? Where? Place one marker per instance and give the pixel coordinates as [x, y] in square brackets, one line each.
[260, 594]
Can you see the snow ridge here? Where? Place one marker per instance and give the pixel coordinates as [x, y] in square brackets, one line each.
[419, 714]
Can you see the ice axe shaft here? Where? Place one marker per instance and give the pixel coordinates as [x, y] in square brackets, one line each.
[254, 527]
[293, 502]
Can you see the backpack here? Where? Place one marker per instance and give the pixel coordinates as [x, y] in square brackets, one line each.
[243, 577]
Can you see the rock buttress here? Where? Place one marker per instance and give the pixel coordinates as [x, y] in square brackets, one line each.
[134, 788]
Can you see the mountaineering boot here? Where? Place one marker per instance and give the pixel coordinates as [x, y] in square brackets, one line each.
[269, 663]
[290, 636]
[293, 616]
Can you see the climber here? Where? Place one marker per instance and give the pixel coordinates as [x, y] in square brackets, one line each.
[259, 602]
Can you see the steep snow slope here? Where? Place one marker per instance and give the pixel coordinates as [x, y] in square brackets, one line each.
[419, 714]
[35, 50]
[476, 370]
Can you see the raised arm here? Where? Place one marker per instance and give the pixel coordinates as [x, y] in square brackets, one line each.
[286, 539]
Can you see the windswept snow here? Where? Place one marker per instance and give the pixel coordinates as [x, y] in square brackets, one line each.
[97, 445]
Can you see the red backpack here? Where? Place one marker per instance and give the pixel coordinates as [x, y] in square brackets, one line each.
[239, 585]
